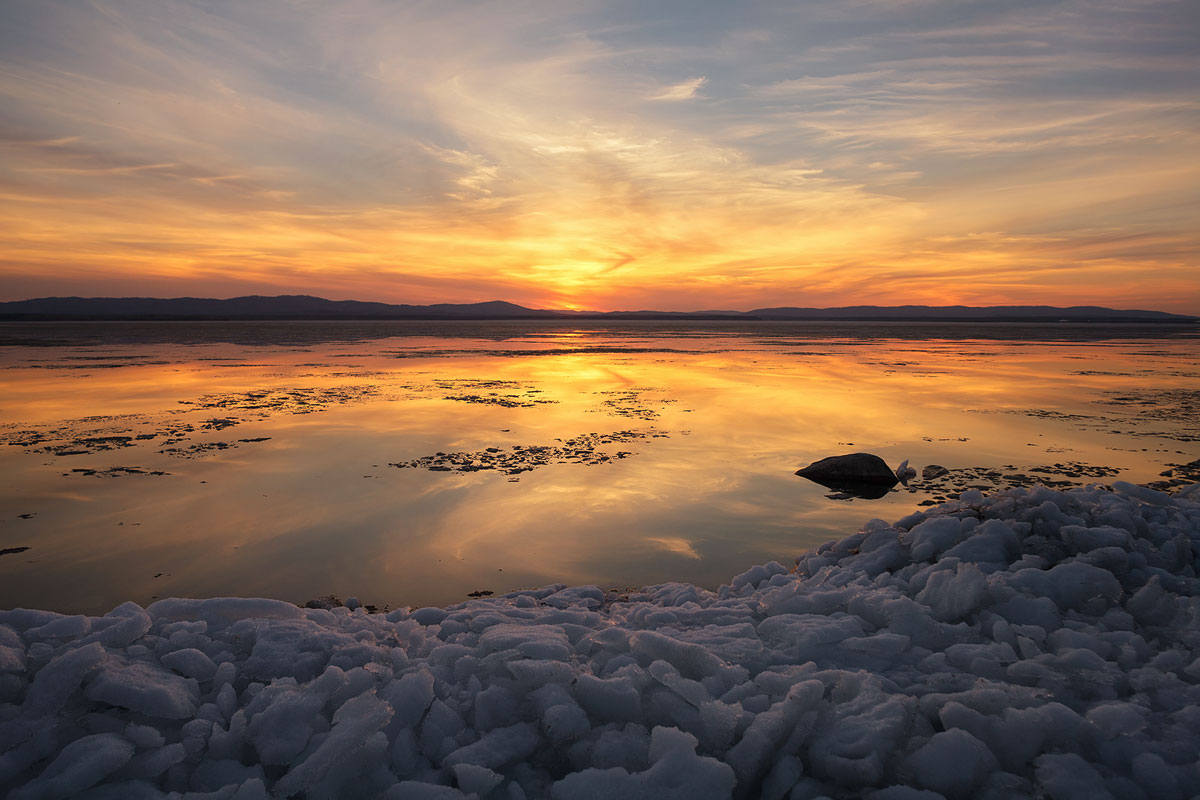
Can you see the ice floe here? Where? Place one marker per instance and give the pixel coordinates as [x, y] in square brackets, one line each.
[1029, 643]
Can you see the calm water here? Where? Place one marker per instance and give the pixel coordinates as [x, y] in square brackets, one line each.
[412, 463]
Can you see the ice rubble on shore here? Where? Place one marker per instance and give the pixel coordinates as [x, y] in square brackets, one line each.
[1028, 643]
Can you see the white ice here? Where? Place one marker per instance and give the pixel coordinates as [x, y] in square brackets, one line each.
[1023, 644]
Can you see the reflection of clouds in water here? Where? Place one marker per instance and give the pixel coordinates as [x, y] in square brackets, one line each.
[676, 544]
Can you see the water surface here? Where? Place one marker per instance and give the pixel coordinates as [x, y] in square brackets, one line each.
[410, 463]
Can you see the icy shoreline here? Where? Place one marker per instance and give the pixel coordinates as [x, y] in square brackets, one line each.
[1025, 643]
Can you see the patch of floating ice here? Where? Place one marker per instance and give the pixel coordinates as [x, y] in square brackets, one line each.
[1023, 644]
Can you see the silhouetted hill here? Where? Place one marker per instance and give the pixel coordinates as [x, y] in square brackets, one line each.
[252, 307]
[971, 313]
[308, 307]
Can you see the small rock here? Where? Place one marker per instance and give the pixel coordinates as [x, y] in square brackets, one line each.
[327, 602]
[933, 471]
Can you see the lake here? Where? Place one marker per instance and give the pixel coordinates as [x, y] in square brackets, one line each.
[413, 463]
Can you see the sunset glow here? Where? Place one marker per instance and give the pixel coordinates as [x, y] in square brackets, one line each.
[679, 156]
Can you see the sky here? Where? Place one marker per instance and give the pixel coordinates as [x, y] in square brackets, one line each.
[604, 155]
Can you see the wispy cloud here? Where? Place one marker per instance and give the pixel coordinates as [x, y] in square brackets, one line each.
[684, 90]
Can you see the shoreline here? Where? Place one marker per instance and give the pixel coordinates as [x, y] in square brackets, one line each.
[1166, 486]
[1023, 642]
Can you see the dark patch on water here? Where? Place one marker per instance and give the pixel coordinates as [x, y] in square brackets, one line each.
[1177, 475]
[114, 472]
[583, 449]
[944, 484]
[1061, 475]
[290, 401]
[633, 403]
[197, 449]
[1171, 414]
[104, 364]
[99, 434]
[506, 394]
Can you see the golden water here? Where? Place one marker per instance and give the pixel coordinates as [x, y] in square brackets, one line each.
[717, 419]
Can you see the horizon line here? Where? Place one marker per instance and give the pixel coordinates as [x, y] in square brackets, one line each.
[584, 312]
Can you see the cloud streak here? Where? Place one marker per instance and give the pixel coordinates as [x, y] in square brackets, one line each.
[686, 90]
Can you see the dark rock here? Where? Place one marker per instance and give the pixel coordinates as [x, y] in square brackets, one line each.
[859, 474]
[857, 467]
[933, 471]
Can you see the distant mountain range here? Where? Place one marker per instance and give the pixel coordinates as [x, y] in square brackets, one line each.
[256, 307]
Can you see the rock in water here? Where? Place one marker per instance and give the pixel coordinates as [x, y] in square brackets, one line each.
[934, 471]
[861, 474]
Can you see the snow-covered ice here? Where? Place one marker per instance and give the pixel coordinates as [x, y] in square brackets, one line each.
[1030, 643]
